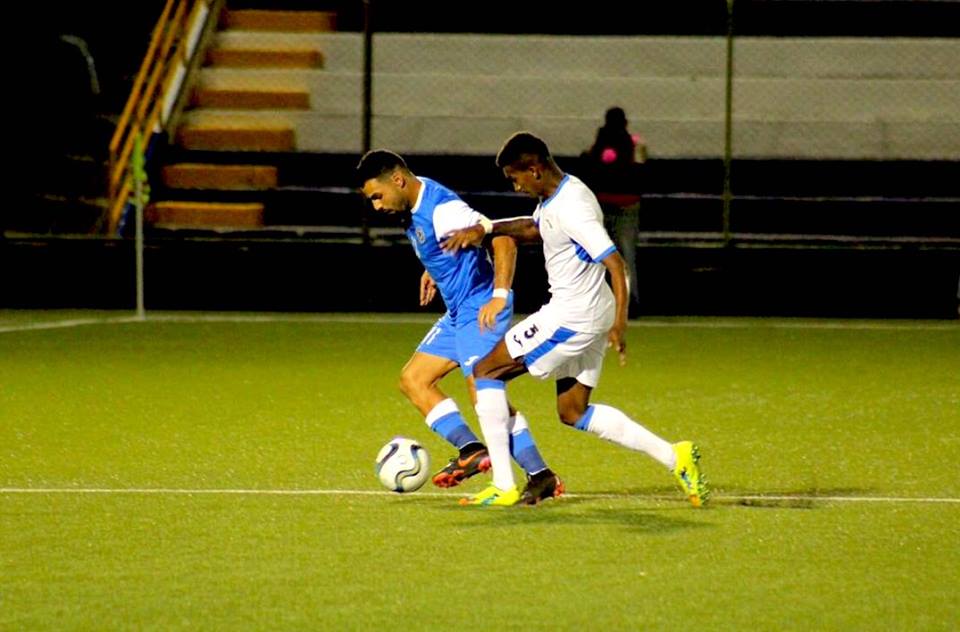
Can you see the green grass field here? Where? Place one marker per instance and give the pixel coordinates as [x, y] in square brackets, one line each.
[217, 473]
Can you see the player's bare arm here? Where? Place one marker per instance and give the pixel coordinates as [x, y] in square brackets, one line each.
[618, 283]
[428, 289]
[522, 229]
[504, 265]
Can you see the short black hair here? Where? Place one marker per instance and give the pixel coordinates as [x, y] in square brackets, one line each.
[523, 148]
[378, 162]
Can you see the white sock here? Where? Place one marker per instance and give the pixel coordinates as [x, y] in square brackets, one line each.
[609, 423]
[494, 414]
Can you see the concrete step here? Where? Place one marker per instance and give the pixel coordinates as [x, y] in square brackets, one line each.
[643, 98]
[238, 99]
[240, 135]
[265, 58]
[212, 214]
[644, 56]
[673, 137]
[214, 176]
[341, 51]
[839, 98]
[261, 20]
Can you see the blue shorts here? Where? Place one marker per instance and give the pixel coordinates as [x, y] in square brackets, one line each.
[460, 339]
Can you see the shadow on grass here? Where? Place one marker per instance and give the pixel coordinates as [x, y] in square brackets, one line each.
[787, 499]
[575, 511]
[636, 521]
[605, 507]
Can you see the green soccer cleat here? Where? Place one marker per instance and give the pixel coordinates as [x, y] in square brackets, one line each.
[687, 473]
[494, 496]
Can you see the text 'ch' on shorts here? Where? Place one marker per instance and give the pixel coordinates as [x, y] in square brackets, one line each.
[550, 350]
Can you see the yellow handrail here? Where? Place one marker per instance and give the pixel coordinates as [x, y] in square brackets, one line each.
[138, 82]
[144, 108]
[149, 98]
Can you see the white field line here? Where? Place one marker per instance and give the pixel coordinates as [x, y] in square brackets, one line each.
[388, 319]
[66, 324]
[167, 491]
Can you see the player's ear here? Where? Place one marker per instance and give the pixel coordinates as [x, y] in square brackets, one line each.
[397, 178]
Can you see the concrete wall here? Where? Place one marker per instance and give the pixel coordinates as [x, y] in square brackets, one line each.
[856, 98]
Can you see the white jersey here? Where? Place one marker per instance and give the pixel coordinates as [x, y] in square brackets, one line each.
[574, 244]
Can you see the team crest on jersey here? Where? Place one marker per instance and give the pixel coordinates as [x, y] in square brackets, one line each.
[421, 236]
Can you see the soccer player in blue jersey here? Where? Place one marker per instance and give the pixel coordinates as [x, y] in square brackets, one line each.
[566, 339]
[479, 306]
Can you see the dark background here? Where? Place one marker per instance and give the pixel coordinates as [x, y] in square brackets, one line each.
[47, 261]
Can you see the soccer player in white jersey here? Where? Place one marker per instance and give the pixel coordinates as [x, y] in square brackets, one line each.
[567, 338]
[479, 305]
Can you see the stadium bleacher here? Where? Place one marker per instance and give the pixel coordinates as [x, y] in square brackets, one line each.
[830, 180]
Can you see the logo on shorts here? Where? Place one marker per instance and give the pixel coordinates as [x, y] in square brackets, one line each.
[469, 361]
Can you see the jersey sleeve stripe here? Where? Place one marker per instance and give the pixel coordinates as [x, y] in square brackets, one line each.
[606, 253]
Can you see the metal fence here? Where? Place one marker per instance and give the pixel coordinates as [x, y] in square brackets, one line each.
[803, 96]
[765, 88]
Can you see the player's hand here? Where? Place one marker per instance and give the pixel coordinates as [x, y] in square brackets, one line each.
[463, 238]
[428, 289]
[617, 339]
[488, 313]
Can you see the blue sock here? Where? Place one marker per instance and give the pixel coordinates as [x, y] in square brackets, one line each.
[522, 448]
[524, 451]
[454, 429]
[584, 422]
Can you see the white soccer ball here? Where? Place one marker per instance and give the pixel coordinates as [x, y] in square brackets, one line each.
[403, 465]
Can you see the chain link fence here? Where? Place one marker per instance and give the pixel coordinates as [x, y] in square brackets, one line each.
[788, 124]
[741, 104]
[855, 97]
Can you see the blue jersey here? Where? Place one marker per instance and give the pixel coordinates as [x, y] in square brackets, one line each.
[460, 275]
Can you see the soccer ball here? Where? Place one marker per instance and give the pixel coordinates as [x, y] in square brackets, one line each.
[403, 465]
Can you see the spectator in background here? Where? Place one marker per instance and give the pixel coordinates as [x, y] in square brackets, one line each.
[613, 161]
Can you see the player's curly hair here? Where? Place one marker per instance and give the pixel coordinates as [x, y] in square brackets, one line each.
[523, 149]
[377, 162]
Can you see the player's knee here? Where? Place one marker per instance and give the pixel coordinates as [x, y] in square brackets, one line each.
[410, 383]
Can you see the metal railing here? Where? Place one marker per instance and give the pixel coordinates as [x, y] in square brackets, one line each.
[156, 90]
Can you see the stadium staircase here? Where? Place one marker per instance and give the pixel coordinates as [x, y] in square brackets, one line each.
[225, 162]
[270, 134]
[269, 142]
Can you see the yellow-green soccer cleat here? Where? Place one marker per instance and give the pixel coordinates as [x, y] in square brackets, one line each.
[494, 496]
[687, 472]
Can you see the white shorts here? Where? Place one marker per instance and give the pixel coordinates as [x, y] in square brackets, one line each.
[549, 350]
